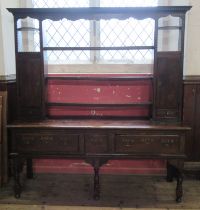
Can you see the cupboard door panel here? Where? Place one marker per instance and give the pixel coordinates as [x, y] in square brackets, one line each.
[30, 85]
[168, 86]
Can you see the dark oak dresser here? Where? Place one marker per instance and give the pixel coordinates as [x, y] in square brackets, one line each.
[160, 136]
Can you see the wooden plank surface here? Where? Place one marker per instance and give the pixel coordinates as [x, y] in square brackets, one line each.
[1, 137]
[100, 124]
[124, 192]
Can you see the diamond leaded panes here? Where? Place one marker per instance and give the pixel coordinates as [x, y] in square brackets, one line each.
[107, 33]
[66, 33]
[130, 32]
[128, 3]
[60, 3]
[87, 3]
[126, 56]
[69, 57]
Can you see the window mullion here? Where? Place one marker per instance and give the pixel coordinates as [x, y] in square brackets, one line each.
[97, 39]
[92, 41]
[94, 34]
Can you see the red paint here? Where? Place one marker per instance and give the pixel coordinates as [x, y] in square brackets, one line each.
[112, 167]
[100, 92]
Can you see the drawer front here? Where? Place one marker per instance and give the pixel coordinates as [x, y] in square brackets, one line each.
[96, 143]
[150, 144]
[167, 113]
[47, 142]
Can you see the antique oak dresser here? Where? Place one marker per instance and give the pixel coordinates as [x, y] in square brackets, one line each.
[95, 139]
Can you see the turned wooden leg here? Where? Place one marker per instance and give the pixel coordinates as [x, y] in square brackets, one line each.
[29, 168]
[198, 177]
[179, 187]
[16, 174]
[96, 163]
[96, 181]
[170, 172]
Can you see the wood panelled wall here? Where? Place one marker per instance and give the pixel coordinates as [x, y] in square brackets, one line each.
[1, 143]
[7, 114]
[3, 138]
[191, 116]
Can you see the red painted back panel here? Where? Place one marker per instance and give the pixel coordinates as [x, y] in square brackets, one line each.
[157, 167]
[100, 92]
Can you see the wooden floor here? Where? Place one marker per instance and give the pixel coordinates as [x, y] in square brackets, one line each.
[71, 192]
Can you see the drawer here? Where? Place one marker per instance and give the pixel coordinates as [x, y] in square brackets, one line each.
[47, 142]
[149, 144]
[167, 113]
[96, 143]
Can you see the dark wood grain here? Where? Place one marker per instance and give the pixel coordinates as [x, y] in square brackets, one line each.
[168, 87]
[192, 79]
[8, 114]
[97, 141]
[102, 78]
[99, 124]
[30, 86]
[197, 125]
[1, 141]
[95, 13]
[191, 116]
[138, 104]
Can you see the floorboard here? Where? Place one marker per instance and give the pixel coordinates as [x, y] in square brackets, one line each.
[67, 191]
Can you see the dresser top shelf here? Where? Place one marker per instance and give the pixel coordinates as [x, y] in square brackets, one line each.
[100, 124]
[97, 13]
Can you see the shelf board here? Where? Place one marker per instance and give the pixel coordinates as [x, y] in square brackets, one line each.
[27, 29]
[99, 105]
[170, 28]
[99, 48]
[113, 78]
[97, 13]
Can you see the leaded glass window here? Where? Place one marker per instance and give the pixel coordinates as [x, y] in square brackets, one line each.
[103, 33]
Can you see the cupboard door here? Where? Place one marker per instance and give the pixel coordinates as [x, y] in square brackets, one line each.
[189, 117]
[168, 86]
[30, 86]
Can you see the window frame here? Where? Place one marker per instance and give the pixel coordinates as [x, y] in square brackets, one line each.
[95, 55]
